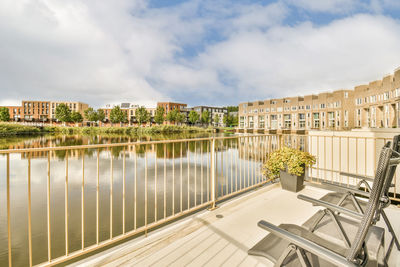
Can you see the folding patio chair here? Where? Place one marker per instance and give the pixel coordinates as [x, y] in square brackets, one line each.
[355, 207]
[292, 245]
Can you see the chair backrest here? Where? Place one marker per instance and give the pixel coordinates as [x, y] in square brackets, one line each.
[392, 169]
[381, 173]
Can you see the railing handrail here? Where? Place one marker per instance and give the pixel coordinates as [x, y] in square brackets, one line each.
[93, 146]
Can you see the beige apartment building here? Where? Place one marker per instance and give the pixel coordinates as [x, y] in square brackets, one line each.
[376, 105]
[73, 106]
[130, 112]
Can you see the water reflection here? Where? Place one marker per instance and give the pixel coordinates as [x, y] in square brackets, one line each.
[149, 182]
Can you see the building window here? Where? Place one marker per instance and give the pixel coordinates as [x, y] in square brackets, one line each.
[316, 120]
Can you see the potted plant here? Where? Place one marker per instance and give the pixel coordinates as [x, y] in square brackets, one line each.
[289, 164]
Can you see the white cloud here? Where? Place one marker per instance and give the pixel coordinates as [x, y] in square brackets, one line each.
[307, 59]
[329, 6]
[199, 52]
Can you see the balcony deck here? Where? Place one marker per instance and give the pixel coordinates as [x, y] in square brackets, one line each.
[223, 236]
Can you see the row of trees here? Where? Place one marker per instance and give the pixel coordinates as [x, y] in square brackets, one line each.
[117, 115]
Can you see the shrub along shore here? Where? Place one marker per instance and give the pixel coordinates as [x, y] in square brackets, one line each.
[9, 129]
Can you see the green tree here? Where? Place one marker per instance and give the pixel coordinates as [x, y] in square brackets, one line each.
[117, 115]
[100, 115]
[172, 115]
[232, 109]
[193, 117]
[4, 114]
[76, 116]
[63, 113]
[230, 120]
[216, 119]
[142, 115]
[205, 117]
[90, 114]
[180, 118]
[159, 115]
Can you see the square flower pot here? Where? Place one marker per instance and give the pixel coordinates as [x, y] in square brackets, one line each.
[291, 182]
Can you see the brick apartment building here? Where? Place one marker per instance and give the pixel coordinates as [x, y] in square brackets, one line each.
[41, 111]
[168, 106]
[372, 105]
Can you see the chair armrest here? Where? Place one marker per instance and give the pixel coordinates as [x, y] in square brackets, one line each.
[367, 178]
[307, 245]
[331, 206]
[347, 189]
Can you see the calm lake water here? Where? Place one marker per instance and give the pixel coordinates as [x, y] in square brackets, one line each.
[177, 178]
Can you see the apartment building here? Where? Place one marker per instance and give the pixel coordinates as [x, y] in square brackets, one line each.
[130, 112]
[36, 110]
[73, 106]
[376, 105]
[214, 112]
[168, 106]
[41, 111]
[16, 113]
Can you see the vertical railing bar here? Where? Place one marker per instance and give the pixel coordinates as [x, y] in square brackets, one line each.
[145, 189]
[213, 158]
[8, 212]
[356, 156]
[340, 158]
[318, 167]
[111, 192]
[222, 168]
[332, 158]
[97, 196]
[48, 209]
[66, 204]
[240, 163]
[208, 170]
[165, 181]
[135, 197]
[195, 173]
[181, 178]
[236, 164]
[83, 201]
[29, 210]
[348, 158]
[227, 167]
[188, 183]
[231, 177]
[325, 167]
[259, 160]
[123, 190]
[173, 178]
[365, 156]
[201, 171]
[248, 161]
[155, 183]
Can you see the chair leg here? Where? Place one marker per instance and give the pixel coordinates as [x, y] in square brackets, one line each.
[303, 257]
[317, 221]
[285, 253]
[339, 228]
[356, 204]
[390, 228]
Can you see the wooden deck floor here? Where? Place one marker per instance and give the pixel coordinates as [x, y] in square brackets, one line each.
[223, 236]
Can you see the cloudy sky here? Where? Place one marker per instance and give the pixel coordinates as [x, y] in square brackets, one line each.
[200, 52]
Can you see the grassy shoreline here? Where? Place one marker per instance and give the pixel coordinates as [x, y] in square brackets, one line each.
[9, 129]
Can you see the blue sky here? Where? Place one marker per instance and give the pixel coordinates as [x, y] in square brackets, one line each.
[200, 52]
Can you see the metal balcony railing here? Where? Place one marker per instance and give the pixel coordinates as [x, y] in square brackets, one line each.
[66, 202]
